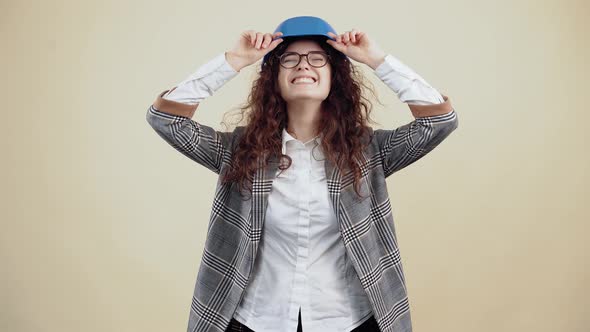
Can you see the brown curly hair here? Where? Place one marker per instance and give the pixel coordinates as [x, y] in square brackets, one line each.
[345, 114]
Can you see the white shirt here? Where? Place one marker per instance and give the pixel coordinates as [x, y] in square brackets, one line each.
[302, 262]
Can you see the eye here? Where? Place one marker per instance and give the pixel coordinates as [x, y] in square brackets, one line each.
[290, 58]
[317, 58]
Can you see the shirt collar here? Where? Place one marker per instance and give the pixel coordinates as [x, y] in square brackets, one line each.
[288, 137]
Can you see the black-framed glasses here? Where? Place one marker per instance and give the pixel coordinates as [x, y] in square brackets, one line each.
[315, 59]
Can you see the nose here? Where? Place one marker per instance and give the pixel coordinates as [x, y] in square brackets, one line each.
[303, 64]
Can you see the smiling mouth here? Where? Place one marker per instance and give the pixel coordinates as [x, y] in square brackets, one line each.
[304, 81]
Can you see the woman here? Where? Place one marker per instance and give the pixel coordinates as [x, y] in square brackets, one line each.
[308, 168]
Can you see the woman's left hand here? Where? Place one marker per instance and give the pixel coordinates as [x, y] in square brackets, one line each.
[358, 46]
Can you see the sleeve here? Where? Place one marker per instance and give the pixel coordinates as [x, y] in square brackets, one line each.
[410, 87]
[203, 83]
[406, 144]
[170, 116]
[435, 118]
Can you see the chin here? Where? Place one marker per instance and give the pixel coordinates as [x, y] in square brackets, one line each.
[311, 94]
[302, 96]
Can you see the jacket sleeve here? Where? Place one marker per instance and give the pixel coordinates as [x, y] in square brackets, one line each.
[203, 144]
[404, 145]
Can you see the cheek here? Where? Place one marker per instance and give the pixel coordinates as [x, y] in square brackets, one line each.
[282, 80]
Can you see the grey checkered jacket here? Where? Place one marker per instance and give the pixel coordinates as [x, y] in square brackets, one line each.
[366, 223]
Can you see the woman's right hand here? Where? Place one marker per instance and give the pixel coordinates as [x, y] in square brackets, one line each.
[250, 47]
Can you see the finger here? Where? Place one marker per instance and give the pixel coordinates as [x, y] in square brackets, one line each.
[360, 35]
[346, 37]
[335, 36]
[277, 34]
[274, 43]
[267, 39]
[252, 37]
[259, 38]
[336, 45]
[353, 35]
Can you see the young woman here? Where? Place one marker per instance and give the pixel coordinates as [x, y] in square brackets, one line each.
[301, 234]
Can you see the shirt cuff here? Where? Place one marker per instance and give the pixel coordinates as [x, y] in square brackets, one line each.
[393, 64]
[217, 65]
[208, 78]
[406, 83]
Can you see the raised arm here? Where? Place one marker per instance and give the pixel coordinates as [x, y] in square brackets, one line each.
[434, 115]
[170, 115]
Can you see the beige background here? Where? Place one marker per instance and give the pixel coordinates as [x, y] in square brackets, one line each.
[103, 223]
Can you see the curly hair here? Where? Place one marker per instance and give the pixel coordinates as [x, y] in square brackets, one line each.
[345, 114]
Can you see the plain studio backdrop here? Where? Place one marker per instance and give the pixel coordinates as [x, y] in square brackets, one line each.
[103, 223]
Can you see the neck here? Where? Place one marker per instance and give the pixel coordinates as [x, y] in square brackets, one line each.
[304, 119]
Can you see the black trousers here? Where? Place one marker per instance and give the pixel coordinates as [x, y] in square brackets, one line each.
[370, 325]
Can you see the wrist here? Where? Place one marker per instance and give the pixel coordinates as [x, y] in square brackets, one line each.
[376, 60]
[235, 61]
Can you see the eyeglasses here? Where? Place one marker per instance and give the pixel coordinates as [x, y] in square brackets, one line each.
[315, 59]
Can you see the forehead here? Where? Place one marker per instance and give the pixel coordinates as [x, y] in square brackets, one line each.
[303, 46]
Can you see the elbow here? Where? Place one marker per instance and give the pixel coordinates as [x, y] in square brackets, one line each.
[443, 126]
[150, 117]
[160, 122]
[449, 123]
[454, 122]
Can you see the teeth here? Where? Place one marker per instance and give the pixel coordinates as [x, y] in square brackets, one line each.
[303, 80]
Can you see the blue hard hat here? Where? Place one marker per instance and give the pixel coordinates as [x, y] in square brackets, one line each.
[300, 26]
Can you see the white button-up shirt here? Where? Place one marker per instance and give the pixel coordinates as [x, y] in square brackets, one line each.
[302, 262]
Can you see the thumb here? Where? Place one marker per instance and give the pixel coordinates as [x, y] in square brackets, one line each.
[337, 46]
[274, 44]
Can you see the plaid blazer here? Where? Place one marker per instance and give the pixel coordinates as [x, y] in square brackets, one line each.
[366, 224]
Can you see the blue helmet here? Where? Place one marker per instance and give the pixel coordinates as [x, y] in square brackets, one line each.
[301, 26]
